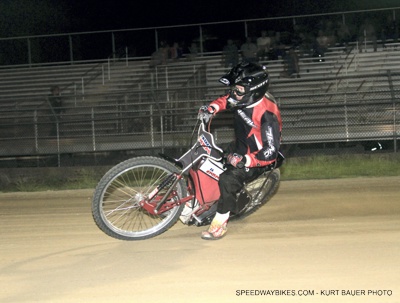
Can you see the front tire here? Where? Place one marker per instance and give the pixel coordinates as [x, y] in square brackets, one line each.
[115, 204]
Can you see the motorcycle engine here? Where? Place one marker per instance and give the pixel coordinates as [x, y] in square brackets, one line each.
[204, 218]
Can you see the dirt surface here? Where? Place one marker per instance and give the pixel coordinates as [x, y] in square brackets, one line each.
[315, 241]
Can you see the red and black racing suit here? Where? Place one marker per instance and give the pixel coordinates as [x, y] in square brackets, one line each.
[258, 130]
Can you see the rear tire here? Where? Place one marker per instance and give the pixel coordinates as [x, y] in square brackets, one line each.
[260, 194]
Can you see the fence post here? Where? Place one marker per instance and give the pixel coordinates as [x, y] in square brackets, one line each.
[83, 89]
[201, 39]
[71, 50]
[393, 97]
[156, 79]
[156, 39]
[162, 132]
[102, 72]
[365, 40]
[140, 90]
[29, 52]
[109, 67]
[75, 92]
[151, 126]
[113, 44]
[35, 122]
[346, 117]
[394, 128]
[167, 81]
[58, 145]
[93, 132]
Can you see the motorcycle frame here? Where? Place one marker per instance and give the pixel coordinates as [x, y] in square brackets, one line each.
[204, 147]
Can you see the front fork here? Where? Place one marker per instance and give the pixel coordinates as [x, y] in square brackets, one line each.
[156, 205]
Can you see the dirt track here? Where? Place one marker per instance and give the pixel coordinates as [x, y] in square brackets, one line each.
[316, 241]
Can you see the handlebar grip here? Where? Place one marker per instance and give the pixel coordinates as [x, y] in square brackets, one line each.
[240, 165]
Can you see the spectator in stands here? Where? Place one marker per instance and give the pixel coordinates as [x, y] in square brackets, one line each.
[56, 108]
[249, 51]
[55, 100]
[307, 40]
[390, 30]
[263, 46]
[291, 64]
[343, 34]
[330, 32]
[321, 45]
[165, 51]
[175, 51]
[277, 48]
[297, 37]
[230, 54]
[367, 34]
[157, 58]
[193, 51]
[160, 56]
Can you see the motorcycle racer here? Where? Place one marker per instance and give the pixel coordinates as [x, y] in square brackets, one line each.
[257, 126]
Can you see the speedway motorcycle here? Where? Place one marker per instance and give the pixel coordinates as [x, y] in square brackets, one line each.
[143, 197]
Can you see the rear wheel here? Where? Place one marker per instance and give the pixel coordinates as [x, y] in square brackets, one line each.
[261, 191]
[115, 205]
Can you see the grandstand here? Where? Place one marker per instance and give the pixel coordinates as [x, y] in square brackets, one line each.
[116, 105]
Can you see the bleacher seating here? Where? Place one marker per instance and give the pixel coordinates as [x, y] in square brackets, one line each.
[22, 84]
[106, 84]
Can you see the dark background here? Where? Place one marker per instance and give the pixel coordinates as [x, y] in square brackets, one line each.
[37, 17]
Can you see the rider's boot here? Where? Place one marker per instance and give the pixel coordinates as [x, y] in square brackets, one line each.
[218, 227]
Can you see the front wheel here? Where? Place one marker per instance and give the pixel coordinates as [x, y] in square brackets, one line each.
[261, 191]
[116, 201]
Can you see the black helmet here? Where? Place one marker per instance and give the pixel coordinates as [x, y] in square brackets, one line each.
[253, 77]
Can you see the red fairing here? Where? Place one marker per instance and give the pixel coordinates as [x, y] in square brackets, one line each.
[207, 189]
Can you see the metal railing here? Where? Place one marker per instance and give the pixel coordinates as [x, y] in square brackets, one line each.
[155, 124]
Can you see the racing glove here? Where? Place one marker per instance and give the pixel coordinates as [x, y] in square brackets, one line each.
[236, 160]
[205, 113]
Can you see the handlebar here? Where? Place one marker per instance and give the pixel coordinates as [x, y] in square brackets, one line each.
[240, 165]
